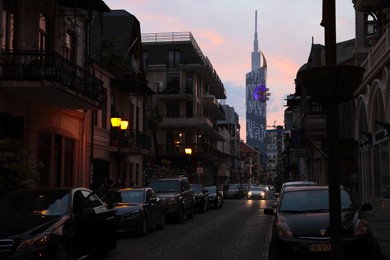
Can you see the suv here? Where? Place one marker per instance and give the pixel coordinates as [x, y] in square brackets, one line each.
[178, 196]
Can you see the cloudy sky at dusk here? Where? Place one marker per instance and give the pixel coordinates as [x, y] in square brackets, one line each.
[224, 30]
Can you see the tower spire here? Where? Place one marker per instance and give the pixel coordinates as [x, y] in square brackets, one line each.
[255, 53]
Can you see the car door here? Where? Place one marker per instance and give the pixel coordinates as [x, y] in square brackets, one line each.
[153, 207]
[95, 226]
[188, 194]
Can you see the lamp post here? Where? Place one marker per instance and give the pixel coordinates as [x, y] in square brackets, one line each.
[188, 152]
[119, 124]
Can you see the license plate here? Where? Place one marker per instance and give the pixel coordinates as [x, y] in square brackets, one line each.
[319, 248]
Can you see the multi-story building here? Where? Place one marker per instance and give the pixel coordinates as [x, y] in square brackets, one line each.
[275, 147]
[372, 117]
[122, 156]
[48, 85]
[364, 149]
[250, 165]
[185, 107]
[256, 98]
[232, 125]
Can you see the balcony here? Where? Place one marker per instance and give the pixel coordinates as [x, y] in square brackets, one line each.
[378, 57]
[361, 5]
[50, 78]
[195, 122]
[198, 150]
[132, 142]
[201, 64]
[213, 107]
[170, 93]
[314, 125]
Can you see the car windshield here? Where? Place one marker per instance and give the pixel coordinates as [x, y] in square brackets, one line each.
[256, 189]
[196, 188]
[130, 196]
[312, 201]
[164, 186]
[48, 203]
[211, 189]
[233, 187]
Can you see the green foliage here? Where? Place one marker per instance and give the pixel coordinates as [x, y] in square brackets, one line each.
[15, 172]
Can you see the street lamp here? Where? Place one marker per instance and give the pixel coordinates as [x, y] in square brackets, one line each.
[188, 152]
[119, 123]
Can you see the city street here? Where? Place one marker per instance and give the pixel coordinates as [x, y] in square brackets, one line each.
[238, 230]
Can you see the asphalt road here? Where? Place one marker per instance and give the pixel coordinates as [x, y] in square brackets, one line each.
[238, 230]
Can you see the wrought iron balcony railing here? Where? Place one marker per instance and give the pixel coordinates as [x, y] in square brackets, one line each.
[44, 65]
[131, 139]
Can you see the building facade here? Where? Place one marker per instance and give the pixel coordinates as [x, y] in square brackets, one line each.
[48, 88]
[372, 118]
[187, 108]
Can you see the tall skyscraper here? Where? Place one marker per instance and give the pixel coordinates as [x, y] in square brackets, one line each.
[256, 101]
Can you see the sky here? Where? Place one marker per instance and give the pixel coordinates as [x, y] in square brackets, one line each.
[224, 31]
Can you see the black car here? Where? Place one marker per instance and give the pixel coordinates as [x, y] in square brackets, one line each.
[137, 210]
[178, 196]
[201, 198]
[301, 228]
[215, 196]
[233, 191]
[55, 224]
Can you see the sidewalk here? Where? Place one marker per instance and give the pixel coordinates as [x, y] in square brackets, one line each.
[380, 227]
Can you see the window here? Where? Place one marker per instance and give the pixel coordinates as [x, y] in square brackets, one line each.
[57, 154]
[42, 40]
[189, 82]
[173, 109]
[173, 82]
[69, 46]
[8, 30]
[145, 58]
[173, 58]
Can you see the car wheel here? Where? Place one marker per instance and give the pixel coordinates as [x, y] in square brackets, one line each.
[191, 214]
[181, 215]
[144, 228]
[61, 252]
[161, 225]
[204, 208]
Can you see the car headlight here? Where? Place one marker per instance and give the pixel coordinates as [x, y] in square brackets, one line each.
[250, 193]
[262, 194]
[35, 243]
[171, 201]
[283, 230]
[131, 214]
[361, 227]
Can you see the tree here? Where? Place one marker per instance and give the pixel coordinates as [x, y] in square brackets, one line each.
[15, 172]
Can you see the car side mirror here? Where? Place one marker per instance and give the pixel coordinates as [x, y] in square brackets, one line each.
[276, 195]
[152, 200]
[269, 211]
[366, 207]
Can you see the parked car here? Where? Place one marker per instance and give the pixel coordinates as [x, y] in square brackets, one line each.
[215, 196]
[294, 184]
[178, 196]
[256, 192]
[233, 191]
[245, 187]
[201, 198]
[137, 210]
[301, 226]
[55, 224]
